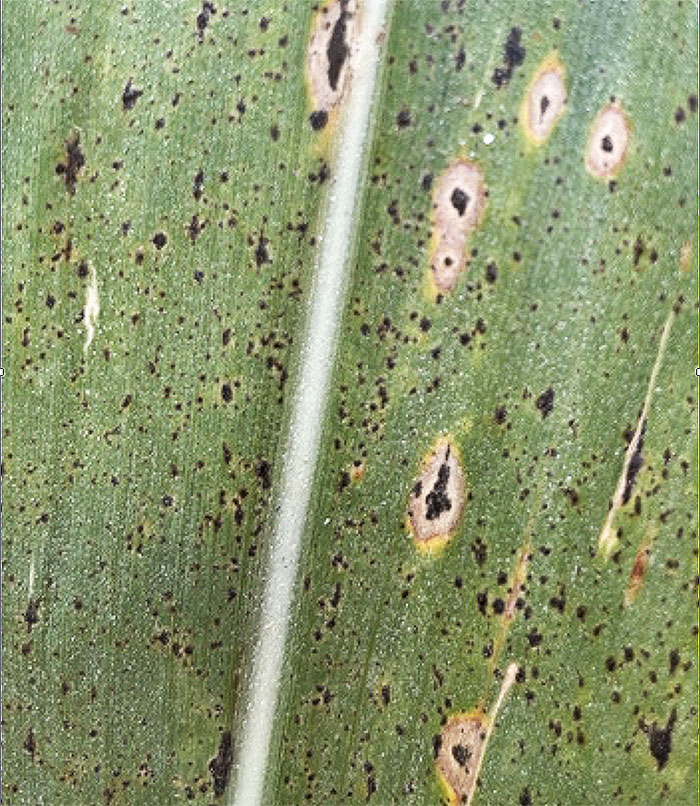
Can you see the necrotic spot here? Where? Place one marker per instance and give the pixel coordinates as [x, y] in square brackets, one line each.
[436, 501]
[458, 203]
[545, 100]
[608, 142]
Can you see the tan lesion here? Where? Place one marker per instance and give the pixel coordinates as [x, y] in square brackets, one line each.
[545, 100]
[608, 142]
[329, 54]
[436, 501]
[462, 745]
[459, 202]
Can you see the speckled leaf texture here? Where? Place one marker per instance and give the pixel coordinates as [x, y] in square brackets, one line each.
[162, 196]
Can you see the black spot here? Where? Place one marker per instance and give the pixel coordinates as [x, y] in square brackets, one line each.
[262, 471]
[29, 743]
[130, 96]
[427, 182]
[337, 50]
[545, 402]
[318, 119]
[203, 19]
[513, 56]
[459, 200]
[534, 638]
[31, 614]
[461, 754]
[437, 499]
[491, 272]
[386, 695]
[525, 799]
[226, 392]
[198, 185]
[75, 160]
[693, 103]
[679, 115]
[50, 301]
[261, 255]
[460, 58]
[635, 465]
[403, 119]
[606, 143]
[674, 659]
[660, 741]
[638, 250]
[544, 105]
[159, 240]
[220, 765]
[500, 415]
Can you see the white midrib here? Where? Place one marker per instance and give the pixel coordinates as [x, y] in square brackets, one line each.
[314, 376]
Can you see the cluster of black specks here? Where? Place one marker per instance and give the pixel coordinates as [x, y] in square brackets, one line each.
[74, 162]
[220, 765]
[513, 56]
[437, 499]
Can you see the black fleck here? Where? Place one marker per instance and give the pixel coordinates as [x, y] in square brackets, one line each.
[130, 95]
[545, 402]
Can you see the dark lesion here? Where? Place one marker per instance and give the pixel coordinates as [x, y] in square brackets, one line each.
[460, 200]
[338, 50]
[544, 105]
[607, 144]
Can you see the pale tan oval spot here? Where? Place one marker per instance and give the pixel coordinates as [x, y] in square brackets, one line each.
[462, 744]
[608, 142]
[328, 57]
[545, 100]
[437, 499]
[458, 204]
